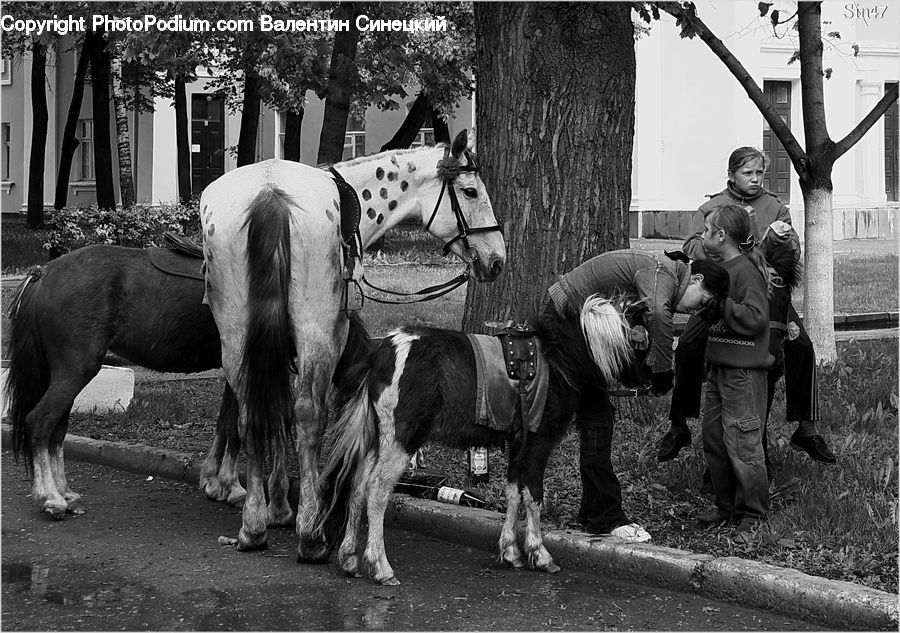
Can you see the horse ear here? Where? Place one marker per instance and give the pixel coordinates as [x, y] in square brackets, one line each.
[459, 144]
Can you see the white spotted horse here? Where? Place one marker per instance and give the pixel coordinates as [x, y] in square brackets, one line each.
[420, 385]
[142, 304]
[275, 280]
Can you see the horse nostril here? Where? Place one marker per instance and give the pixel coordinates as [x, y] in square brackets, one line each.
[496, 266]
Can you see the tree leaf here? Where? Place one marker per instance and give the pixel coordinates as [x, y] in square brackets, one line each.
[794, 57]
[834, 35]
[855, 48]
[774, 17]
[763, 8]
[828, 72]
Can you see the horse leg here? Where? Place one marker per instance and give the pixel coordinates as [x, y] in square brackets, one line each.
[347, 555]
[42, 424]
[509, 549]
[58, 466]
[392, 461]
[310, 415]
[254, 518]
[280, 514]
[534, 461]
[218, 477]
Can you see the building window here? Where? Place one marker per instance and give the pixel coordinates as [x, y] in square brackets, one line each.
[86, 145]
[355, 138]
[5, 134]
[426, 133]
[891, 150]
[5, 72]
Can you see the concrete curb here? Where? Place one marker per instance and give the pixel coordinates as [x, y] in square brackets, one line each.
[834, 604]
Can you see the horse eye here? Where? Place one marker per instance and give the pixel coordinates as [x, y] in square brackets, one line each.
[470, 192]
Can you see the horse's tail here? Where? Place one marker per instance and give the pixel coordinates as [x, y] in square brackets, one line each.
[359, 346]
[604, 331]
[28, 376]
[268, 349]
[356, 436]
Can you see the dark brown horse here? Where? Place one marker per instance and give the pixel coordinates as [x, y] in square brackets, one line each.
[144, 305]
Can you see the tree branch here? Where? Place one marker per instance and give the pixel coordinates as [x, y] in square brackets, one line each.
[890, 96]
[815, 127]
[686, 13]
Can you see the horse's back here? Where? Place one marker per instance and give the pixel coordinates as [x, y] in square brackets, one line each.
[102, 297]
[436, 389]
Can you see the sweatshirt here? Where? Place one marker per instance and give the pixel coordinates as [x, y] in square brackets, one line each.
[764, 208]
[637, 275]
[741, 338]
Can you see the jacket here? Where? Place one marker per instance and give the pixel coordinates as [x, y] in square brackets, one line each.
[764, 208]
[636, 275]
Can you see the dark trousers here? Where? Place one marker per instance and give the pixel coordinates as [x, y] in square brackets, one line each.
[601, 497]
[798, 368]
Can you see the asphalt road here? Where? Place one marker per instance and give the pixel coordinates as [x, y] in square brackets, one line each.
[145, 557]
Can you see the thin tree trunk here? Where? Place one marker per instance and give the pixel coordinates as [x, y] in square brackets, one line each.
[70, 140]
[341, 79]
[293, 123]
[441, 129]
[249, 121]
[35, 214]
[103, 169]
[562, 197]
[182, 145]
[123, 142]
[411, 125]
[818, 295]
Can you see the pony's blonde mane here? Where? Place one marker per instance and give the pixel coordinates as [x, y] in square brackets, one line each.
[604, 331]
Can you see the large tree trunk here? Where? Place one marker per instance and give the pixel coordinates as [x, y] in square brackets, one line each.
[70, 139]
[249, 121]
[182, 144]
[103, 169]
[293, 123]
[555, 119]
[341, 80]
[35, 214]
[123, 142]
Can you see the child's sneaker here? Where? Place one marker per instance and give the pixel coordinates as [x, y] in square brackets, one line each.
[633, 533]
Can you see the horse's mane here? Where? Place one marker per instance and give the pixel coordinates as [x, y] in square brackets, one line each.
[370, 157]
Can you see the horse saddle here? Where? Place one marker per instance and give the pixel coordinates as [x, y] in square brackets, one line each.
[351, 242]
[512, 378]
[181, 258]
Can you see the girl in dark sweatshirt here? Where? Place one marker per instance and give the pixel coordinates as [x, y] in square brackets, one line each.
[738, 359]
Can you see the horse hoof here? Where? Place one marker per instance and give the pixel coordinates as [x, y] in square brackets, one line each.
[55, 513]
[552, 568]
[313, 552]
[237, 499]
[252, 543]
[391, 582]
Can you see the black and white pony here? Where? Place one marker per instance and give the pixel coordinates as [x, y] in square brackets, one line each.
[419, 385]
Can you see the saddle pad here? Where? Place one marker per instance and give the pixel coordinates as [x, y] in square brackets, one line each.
[497, 395]
[173, 262]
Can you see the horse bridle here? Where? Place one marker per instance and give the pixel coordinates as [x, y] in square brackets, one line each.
[449, 169]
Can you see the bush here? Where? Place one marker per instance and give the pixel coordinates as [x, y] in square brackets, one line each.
[139, 226]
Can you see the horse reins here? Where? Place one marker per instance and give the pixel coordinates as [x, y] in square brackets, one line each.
[448, 170]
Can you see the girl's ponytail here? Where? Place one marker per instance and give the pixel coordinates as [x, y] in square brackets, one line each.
[735, 221]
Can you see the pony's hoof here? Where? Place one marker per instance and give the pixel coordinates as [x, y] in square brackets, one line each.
[213, 491]
[551, 568]
[75, 507]
[281, 519]
[391, 582]
[252, 543]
